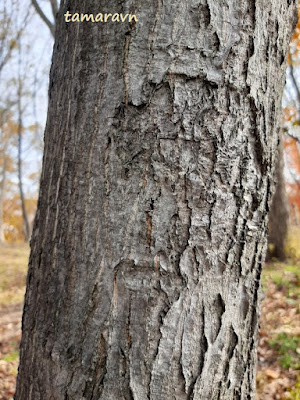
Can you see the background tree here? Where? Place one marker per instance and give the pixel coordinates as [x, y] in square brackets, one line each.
[284, 205]
[279, 213]
[21, 83]
[150, 234]
[10, 33]
[54, 8]
[292, 151]
[20, 141]
[7, 140]
[291, 123]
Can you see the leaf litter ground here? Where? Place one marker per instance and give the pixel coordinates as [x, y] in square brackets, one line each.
[278, 374]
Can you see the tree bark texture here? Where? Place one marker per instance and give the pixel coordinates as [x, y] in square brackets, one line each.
[150, 234]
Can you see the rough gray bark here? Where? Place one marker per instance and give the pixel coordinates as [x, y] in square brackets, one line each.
[279, 213]
[150, 234]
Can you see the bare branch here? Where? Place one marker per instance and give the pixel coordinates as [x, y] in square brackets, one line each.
[54, 7]
[294, 177]
[287, 132]
[38, 9]
[4, 58]
[293, 136]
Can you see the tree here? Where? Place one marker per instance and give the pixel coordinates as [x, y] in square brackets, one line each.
[20, 141]
[157, 177]
[10, 34]
[7, 137]
[42, 14]
[15, 64]
[279, 213]
[292, 150]
[280, 210]
[291, 122]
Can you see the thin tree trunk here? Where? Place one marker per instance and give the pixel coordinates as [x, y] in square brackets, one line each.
[279, 214]
[150, 233]
[20, 177]
[20, 183]
[3, 154]
[2, 188]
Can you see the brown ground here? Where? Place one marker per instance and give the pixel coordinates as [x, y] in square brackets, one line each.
[10, 335]
[280, 314]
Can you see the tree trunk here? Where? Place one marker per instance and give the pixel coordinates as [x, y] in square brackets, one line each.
[26, 226]
[2, 188]
[279, 213]
[150, 233]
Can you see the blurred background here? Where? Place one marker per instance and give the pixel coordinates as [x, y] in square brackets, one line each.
[26, 41]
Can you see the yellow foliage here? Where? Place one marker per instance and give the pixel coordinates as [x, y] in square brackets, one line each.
[292, 246]
[13, 220]
[13, 44]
